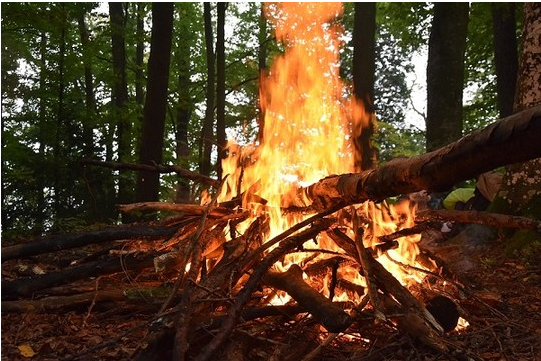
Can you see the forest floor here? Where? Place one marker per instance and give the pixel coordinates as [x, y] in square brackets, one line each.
[507, 327]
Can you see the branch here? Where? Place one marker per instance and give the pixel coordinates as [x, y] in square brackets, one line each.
[183, 173]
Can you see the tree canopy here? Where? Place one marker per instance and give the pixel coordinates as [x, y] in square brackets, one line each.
[75, 77]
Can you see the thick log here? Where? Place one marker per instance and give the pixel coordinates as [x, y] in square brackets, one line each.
[196, 177]
[62, 242]
[511, 140]
[324, 311]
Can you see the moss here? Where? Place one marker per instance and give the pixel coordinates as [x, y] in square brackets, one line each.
[523, 242]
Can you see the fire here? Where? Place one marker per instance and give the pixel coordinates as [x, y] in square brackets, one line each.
[308, 132]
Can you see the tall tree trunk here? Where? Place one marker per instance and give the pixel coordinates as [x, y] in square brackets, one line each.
[220, 85]
[152, 137]
[205, 145]
[521, 186]
[505, 55]
[262, 66]
[445, 74]
[120, 98]
[139, 54]
[40, 180]
[364, 70]
[88, 130]
[184, 106]
[59, 170]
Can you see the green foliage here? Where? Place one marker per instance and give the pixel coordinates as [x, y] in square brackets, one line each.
[43, 139]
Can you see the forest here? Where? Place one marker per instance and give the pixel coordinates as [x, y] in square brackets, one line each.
[165, 122]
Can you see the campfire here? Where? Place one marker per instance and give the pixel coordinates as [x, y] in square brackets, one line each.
[296, 249]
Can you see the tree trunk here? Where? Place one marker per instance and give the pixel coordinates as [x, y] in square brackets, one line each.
[120, 98]
[139, 53]
[520, 192]
[220, 86]
[364, 70]
[59, 170]
[262, 66]
[505, 55]
[445, 74]
[184, 111]
[152, 136]
[40, 178]
[205, 145]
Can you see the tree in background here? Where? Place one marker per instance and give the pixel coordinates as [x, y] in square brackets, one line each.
[505, 55]
[221, 140]
[445, 74]
[520, 193]
[364, 70]
[206, 141]
[152, 136]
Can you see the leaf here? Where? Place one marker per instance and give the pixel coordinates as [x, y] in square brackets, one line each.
[26, 350]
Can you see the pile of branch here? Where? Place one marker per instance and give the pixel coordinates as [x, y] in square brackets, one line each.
[222, 287]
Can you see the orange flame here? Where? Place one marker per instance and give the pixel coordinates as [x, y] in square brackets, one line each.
[309, 125]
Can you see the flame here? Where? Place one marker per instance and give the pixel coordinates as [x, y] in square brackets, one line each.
[308, 133]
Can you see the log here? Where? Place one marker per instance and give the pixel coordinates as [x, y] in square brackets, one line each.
[196, 177]
[192, 209]
[480, 217]
[26, 286]
[62, 242]
[511, 140]
[333, 318]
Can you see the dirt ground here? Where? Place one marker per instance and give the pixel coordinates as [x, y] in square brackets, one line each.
[503, 310]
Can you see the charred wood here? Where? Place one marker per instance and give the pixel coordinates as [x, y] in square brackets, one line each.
[324, 311]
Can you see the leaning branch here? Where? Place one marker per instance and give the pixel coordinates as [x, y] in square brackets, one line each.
[511, 140]
[196, 177]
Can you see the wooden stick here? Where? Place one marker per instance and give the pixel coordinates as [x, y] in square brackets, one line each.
[193, 209]
[480, 217]
[61, 242]
[155, 168]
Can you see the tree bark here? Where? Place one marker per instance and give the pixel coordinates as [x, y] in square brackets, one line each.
[148, 183]
[220, 86]
[445, 74]
[58, 243]
[508, 141]
[505, 55]
[120, 97]
[520, 192]
[205, 145]
[364, 70]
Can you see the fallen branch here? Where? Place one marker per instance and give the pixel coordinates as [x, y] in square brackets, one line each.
[61, 242]
[191, 209]
[480, 217]
[196, 177]
[510, 140]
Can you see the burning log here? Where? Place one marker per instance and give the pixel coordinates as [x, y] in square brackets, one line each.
[510, 140]
[329, 315]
